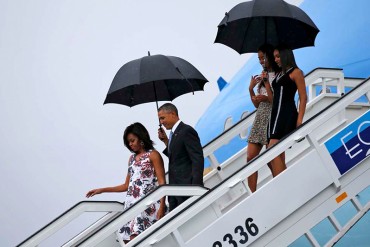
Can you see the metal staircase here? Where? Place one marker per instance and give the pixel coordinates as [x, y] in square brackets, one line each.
[284, 210]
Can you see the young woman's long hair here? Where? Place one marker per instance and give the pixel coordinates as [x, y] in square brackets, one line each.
[142, 134]
[287, 59]
[268, 51]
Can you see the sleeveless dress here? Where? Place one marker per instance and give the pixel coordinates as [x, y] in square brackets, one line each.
[284, 112]
[258, 132]
[142, 181]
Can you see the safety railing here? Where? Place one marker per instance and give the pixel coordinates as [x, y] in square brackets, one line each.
[342, 230]
[113, 220]
[335, 214]
[111, 208]
[208, 200]
[320, 77]
[165, 190]
[236, 177]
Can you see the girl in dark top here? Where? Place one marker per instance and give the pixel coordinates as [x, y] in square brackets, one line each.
[284, 115]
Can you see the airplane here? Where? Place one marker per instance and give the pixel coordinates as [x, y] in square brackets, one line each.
[342, 44]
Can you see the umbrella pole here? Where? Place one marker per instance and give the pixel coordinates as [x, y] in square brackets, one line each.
[186, 79]
[156, 102]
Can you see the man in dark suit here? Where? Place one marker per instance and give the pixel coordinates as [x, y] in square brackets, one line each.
[183, 149]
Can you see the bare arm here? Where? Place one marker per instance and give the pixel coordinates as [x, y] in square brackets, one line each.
[298, 78]
[252, 84]
[118, 188]
[270, 96]
[263, 98]
[157, 162]
[266, 83]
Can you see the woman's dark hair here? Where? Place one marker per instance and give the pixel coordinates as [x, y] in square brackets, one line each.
[268, 50]
[142, 134]
[287, 59]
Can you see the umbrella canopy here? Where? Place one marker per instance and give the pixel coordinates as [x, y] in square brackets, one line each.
[154, 78]
[251, 24]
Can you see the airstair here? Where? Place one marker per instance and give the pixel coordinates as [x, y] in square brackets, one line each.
[328, 169]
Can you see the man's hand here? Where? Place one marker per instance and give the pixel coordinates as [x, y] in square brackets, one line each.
[162, 136]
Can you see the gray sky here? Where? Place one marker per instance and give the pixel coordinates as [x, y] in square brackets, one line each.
[58, 59]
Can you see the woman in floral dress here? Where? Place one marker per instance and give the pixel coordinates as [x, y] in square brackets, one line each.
[145, 173]
[262, 101]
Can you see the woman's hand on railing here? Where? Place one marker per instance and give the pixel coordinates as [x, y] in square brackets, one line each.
[161, 211]
[94, 192]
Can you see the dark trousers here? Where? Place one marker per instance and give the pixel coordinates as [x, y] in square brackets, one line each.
[175, 201]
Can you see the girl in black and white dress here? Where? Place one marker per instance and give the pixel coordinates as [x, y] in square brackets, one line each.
[284, 115]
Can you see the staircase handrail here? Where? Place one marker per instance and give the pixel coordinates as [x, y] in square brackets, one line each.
[119, 214]
[262, 159]
[112, 226]
[69, 215]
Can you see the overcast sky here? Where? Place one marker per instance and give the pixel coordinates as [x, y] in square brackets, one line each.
[58, 59]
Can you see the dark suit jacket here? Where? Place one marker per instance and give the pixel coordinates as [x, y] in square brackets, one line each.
[186, 162]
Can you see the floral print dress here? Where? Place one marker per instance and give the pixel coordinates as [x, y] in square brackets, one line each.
[259, 131]
[142, 181]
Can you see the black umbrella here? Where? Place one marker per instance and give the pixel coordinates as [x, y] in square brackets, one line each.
[154, 78]
[251, 24]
